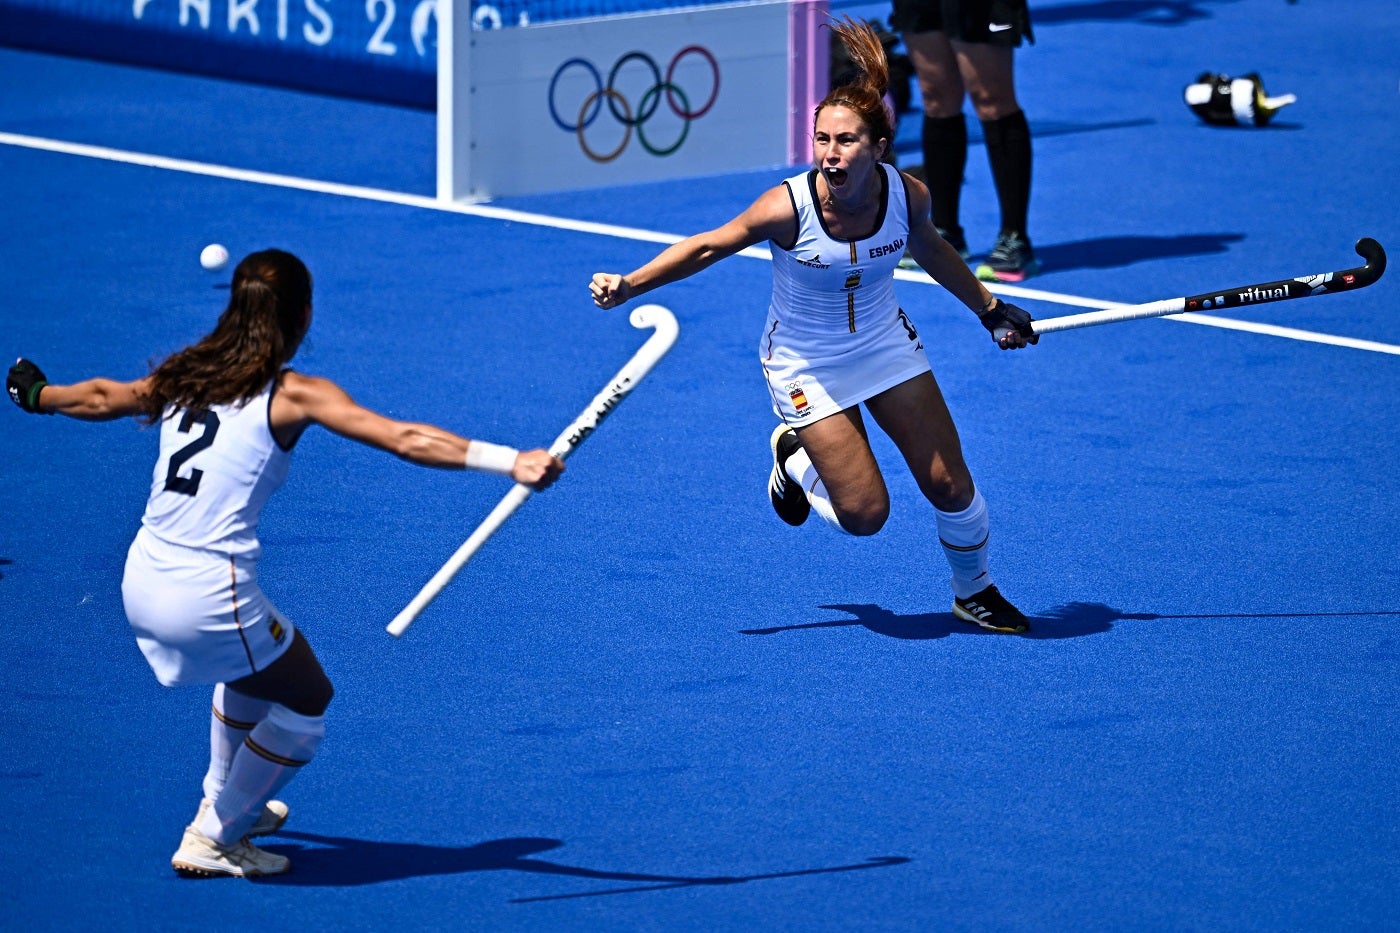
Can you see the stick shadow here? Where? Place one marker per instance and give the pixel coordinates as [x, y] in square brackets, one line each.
[338, 861]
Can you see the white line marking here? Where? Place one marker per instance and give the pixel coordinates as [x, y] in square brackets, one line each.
[325, 187]
[627, 233]
[1287, 332]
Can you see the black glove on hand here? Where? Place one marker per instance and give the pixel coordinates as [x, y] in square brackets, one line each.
[23, 384]
[1003, 317]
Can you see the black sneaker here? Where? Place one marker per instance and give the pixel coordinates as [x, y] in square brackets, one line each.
[789, 500]
[1011, 260]
[990, 610]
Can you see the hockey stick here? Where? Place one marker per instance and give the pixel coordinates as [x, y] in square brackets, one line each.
[603, 403]
[1263, 293]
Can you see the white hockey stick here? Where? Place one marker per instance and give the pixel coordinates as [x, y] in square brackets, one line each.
[603, 403]
[1237, 297]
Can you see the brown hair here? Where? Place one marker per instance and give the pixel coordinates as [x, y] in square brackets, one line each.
[257, 334]
[865, 93]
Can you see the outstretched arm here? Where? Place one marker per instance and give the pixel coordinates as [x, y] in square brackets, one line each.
[90, 400]
[769, 217]
[939, 259]
[304, 400]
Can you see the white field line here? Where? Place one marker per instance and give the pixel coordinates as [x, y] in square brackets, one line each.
[628, 233]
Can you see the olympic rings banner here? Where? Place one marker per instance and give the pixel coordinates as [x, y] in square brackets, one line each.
[623, 99]
[625, 115]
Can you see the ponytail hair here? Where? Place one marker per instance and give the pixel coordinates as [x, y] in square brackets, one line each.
[257, 334]
[864, 94]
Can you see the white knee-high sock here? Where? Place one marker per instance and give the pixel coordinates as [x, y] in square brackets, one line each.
[801, 471]
[270, 756]
[233, 717]
[964, 538]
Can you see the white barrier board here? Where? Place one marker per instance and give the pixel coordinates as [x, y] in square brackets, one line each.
[617, 100]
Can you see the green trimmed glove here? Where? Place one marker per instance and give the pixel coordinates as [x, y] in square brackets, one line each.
[24, 383]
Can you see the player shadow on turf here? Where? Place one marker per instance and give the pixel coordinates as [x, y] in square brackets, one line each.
[1112, 252]
[4, 562]
[1071, 620]
[337, 861]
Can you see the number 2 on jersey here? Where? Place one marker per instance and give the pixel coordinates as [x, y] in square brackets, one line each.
[189, 485]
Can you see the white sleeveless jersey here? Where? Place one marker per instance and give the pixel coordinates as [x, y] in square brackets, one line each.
[835, 334]
[216, 470]
[825, 284]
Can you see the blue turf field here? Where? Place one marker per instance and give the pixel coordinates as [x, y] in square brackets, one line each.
[650, 705]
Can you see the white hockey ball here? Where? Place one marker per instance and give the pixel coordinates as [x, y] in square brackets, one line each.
[213, 257]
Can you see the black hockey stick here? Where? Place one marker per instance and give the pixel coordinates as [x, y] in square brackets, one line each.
[1263, 293]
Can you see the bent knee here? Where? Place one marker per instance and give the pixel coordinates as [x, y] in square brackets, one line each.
[950, 493]
[863, 523]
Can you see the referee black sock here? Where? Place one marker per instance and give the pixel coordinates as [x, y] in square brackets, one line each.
[945, 159]
[1009, 151]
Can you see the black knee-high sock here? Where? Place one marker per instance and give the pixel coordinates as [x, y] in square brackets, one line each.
[945, 158]
[1009, 151]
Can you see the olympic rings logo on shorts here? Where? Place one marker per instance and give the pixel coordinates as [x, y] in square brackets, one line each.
[621, 109]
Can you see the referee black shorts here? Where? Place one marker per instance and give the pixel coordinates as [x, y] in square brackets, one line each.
[988, 22]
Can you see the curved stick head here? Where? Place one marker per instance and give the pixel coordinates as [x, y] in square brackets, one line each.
[1374, 254]
[655, 316]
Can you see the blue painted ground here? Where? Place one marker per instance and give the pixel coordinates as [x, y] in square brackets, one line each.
[648, 704]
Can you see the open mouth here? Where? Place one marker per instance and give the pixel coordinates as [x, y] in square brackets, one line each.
[836, 177]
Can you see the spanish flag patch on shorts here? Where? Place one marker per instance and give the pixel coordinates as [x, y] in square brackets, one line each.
[799, 398]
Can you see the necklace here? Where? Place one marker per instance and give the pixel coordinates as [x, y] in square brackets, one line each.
[829, 201]
[840, 208]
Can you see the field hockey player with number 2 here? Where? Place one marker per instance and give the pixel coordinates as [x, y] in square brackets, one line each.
[230, 413]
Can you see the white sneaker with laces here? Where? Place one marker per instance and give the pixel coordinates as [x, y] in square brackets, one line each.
[200, 855]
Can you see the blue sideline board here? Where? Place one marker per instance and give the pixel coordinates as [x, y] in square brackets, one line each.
[378, 50]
